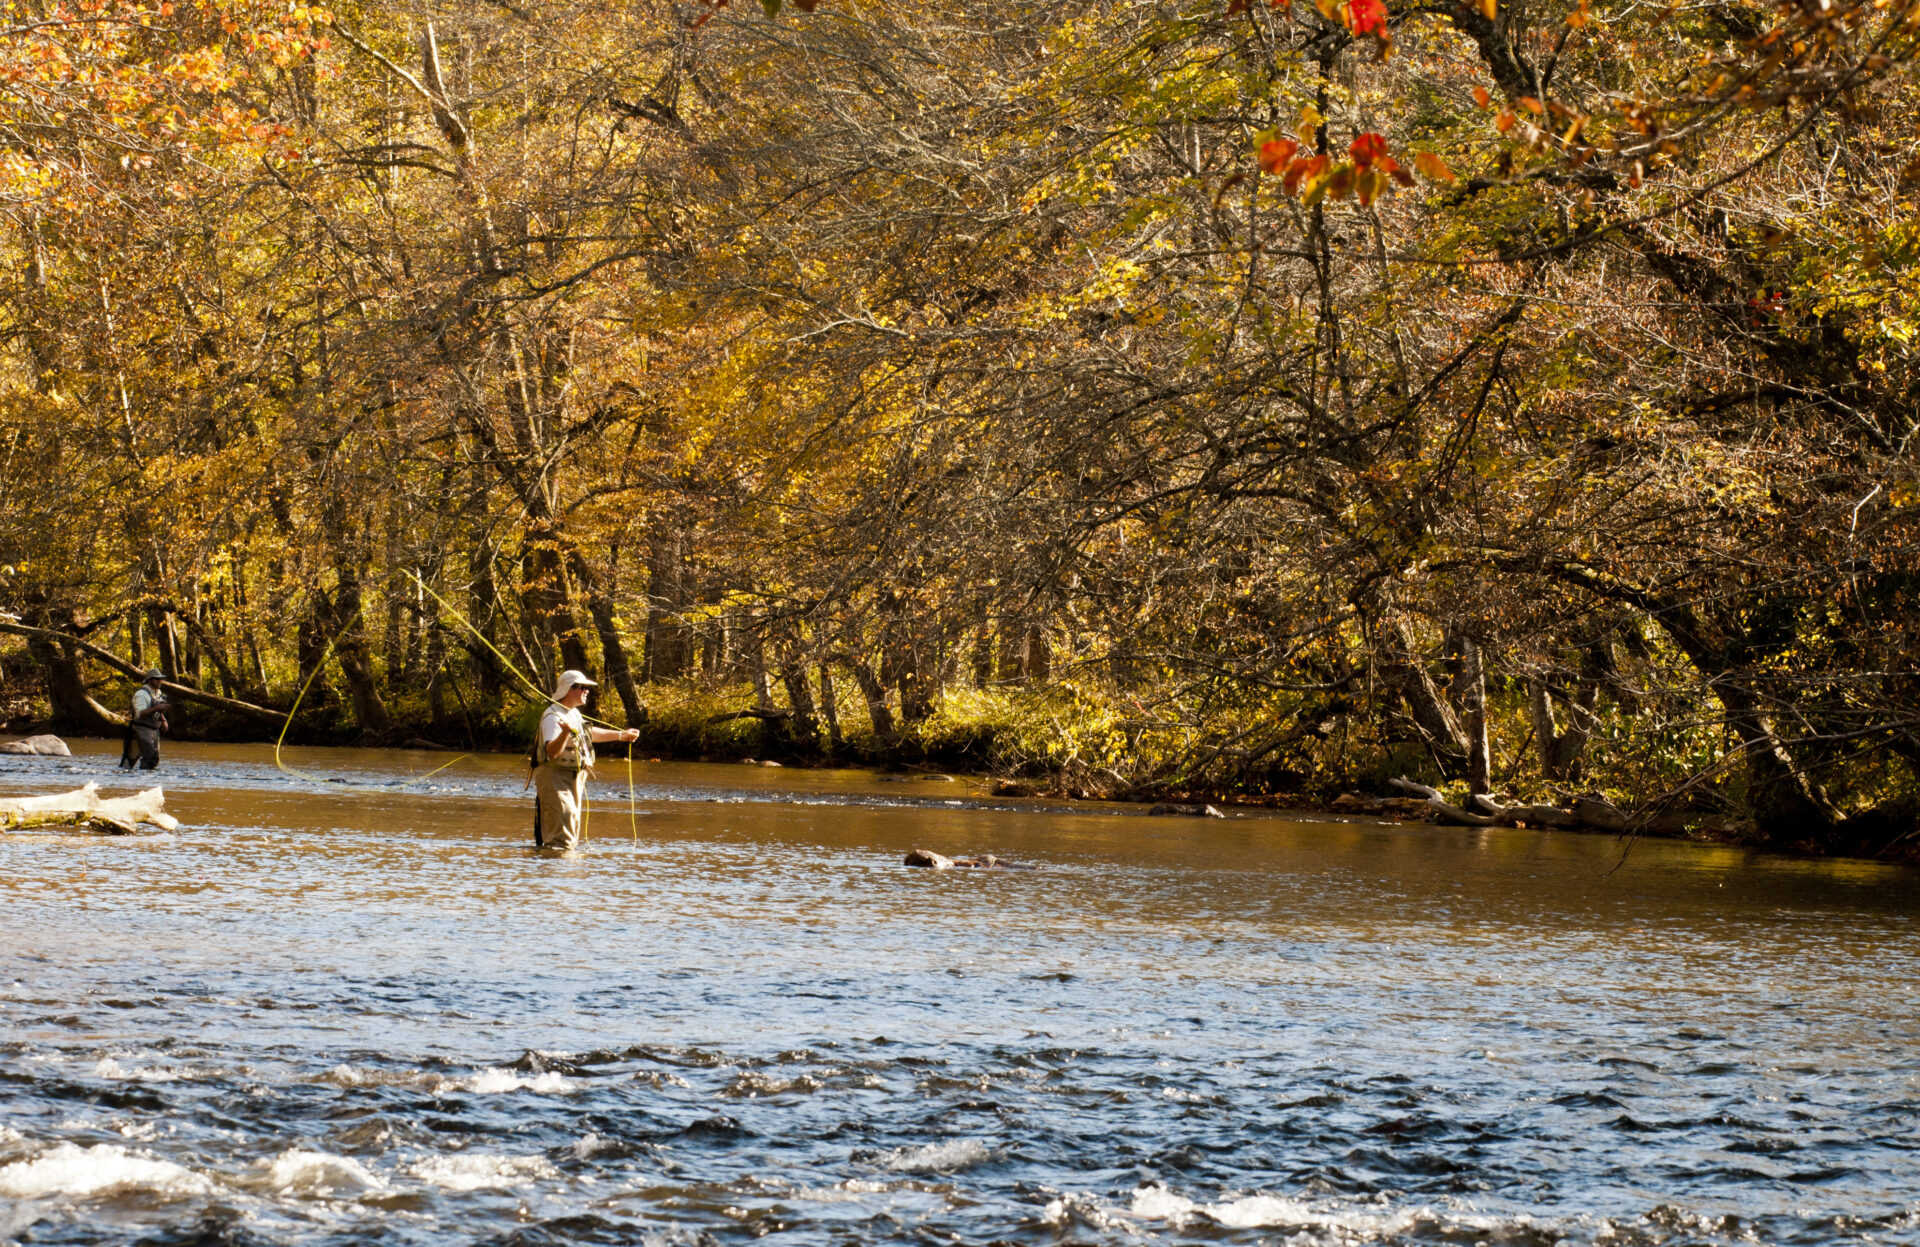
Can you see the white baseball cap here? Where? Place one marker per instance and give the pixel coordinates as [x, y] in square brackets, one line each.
[569, 679]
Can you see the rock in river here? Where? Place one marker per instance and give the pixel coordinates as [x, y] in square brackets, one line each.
[931, 861]
[1169, 808]
[44, 746]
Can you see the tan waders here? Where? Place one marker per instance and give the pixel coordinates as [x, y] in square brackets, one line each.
[560, 791]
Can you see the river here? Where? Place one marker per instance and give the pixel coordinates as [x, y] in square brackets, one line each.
[350, 1005]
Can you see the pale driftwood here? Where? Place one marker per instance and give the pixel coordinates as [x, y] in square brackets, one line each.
[86, 808]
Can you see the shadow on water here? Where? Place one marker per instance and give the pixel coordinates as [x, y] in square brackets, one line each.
[368, 1012]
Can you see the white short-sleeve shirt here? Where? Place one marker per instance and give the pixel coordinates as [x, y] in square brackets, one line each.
[551, 720]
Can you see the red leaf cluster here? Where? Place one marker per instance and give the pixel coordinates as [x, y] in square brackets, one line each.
[1275, 153]
[1366, 16]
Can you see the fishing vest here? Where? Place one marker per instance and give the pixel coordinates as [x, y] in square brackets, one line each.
[575, 755]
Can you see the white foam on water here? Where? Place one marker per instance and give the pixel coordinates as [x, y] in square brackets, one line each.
[103, 1169]
[1064, 1210]
[496, 1081]
[938, 1157]
[754, 1083]
[9, 1135]
[467, 1172]
[590, 1145]
[299, 1172]
[850, 1191]
[1260, 1210]
[107, 1067]
[491, 1081]
[1157, 1203]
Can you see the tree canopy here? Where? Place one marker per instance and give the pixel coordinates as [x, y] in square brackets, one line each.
[1175, 395]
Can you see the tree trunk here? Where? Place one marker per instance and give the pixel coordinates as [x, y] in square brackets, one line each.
[310, 648]
[1561, 751]
[1785, 803]
[612, 649]
[165, 649]
[668, 652]
[805, 725]
[350, 653]
[482, 612]
[830, 707]
[874, 692]
[1404, 672]
[74, 711]
[1474, 682]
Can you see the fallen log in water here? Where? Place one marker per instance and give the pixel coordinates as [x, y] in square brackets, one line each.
[1443, 810]
[87, 809]
[1587, 814]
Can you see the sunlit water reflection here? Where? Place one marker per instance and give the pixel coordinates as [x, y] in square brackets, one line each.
[365, 1011]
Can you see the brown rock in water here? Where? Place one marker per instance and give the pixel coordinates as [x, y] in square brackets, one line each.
[929, 861]
[1168, 809]
[1012, 788]
[42, 746]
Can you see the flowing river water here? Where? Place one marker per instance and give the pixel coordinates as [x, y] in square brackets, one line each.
[352, 1006]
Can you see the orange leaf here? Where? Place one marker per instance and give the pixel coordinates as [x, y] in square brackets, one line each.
[1481, 97]
[1488, 8]
[1530, 104]
[1341, 182]
[1432, 167]
[1275, 153]
[1504, 122]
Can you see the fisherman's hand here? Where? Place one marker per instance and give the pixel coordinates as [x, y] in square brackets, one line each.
[630, 735]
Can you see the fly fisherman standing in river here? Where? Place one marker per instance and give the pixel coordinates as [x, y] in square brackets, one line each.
[144, 726]
[562, 759]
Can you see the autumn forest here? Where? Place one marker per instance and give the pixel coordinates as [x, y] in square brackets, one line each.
[1131, 398]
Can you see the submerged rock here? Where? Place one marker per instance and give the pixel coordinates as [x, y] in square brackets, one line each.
[985, 861]
[1169, 809]
[43, 746]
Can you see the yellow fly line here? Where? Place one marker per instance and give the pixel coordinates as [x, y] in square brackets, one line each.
[301, 696]
[286, 724]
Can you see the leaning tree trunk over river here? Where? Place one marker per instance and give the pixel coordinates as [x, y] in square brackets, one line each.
[74, 709]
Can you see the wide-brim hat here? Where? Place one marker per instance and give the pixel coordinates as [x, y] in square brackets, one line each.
[571, 679]
[154, 674]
